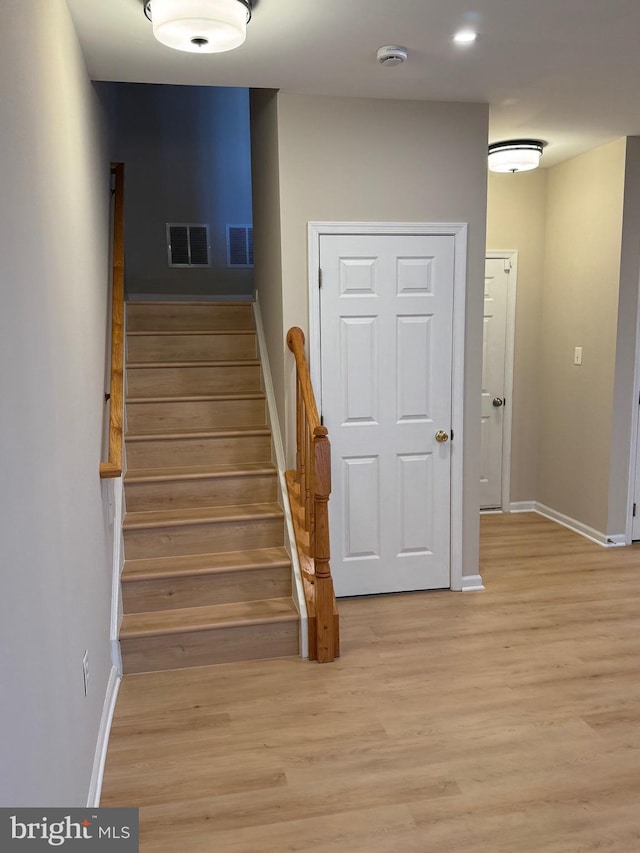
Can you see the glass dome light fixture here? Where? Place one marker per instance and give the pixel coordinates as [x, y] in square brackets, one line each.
[515, 155]
[199, 26]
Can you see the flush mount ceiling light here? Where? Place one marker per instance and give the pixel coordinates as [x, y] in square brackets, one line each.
[199, 26]
[515, 155]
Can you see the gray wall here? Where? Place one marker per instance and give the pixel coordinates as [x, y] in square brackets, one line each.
[580, 308]
[54, 547]
[625, 393]
[187, 159]
[267, 247]
[377, 160]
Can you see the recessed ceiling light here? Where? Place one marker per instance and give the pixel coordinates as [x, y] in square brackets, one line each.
[465, 37]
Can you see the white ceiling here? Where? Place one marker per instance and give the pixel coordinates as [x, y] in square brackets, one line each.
[566, 71]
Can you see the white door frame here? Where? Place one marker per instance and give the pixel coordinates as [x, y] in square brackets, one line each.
[509, 355]
[457, 230]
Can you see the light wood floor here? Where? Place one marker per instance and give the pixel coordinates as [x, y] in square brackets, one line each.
[504, 721]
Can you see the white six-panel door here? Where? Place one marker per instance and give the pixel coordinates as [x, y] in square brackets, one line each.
[386, 309]
[493, 382]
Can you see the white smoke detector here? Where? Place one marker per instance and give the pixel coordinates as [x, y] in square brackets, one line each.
[392, 54]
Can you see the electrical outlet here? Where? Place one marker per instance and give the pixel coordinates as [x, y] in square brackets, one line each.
[577, 356]
[85, 671]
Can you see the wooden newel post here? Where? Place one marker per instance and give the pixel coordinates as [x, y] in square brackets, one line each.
[321, 546]
[309, 487]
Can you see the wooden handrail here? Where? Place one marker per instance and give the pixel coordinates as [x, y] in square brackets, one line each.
[295, 342]
[113, 467]
[309, 488]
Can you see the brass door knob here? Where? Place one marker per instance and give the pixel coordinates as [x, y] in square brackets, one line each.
[442, 436]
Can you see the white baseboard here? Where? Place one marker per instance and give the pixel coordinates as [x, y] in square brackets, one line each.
[617, 540]
[522, 506]
[472, 583]
[116, 655]
[278, 448]
[118, 563]
[613, 541]
[189, 297]
[100, 757]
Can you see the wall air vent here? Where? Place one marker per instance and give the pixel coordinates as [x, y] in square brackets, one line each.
[240, 245]
[188, 245]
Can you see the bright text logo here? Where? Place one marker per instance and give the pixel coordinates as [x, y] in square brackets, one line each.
[28, 830]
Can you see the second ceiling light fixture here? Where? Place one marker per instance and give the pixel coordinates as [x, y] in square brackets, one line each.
[199, 26]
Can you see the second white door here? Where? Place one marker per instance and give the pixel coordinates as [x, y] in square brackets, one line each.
[386, 358]
[496, 285]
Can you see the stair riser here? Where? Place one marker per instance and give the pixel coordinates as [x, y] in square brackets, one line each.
[187, 381]
[195, 415]
[162, 317]
[205, 648]
[203, 589]
[217, 491]
[161, 453]
[203, 538]
[190, 347]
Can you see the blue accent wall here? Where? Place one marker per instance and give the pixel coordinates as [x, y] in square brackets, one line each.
[187, 159]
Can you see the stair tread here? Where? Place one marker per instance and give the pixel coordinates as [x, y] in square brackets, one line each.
[190, 619]
[199, 472]
[213, 432]
[169, 332]
[195, 398]
[160, 365]
[152, 568]
[217, 448]
[200, 515]
[178, 303]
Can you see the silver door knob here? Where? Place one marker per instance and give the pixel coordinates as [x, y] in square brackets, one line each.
[497, 402]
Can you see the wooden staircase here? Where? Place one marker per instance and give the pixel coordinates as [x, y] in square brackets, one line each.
[206, 577]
